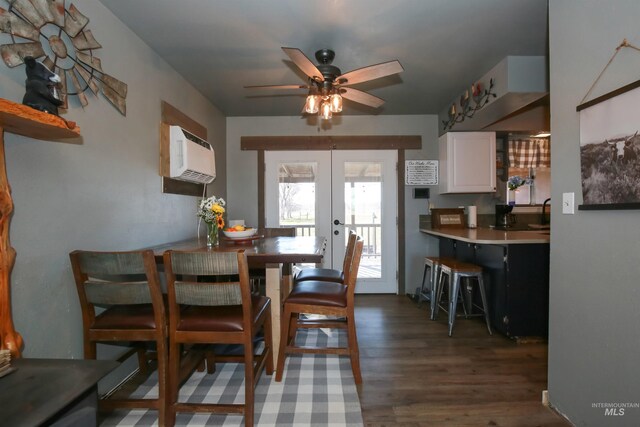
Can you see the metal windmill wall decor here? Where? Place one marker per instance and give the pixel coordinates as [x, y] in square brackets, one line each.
[46, 28]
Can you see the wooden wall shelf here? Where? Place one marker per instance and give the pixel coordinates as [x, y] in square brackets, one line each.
[25, 121]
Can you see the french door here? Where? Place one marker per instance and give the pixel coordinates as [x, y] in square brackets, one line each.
[328, 193]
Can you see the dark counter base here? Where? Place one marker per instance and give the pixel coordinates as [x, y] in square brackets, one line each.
[517, 281]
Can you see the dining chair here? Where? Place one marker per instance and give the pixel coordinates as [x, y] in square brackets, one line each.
[125, 286]
[205, 312]
[277, 231]
[330, 299]
[258, 274]
[329, 274]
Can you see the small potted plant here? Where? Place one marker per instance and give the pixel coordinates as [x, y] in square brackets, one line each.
[513, 183]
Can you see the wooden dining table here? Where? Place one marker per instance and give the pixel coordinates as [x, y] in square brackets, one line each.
[276, 254]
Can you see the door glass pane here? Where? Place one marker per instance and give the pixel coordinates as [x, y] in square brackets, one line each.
[363, 211]
[297, 196]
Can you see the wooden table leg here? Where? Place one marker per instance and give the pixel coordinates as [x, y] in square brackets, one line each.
[287, 281]
[273, 285]
[9, 338]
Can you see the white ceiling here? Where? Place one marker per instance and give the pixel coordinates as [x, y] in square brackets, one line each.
[443, 45]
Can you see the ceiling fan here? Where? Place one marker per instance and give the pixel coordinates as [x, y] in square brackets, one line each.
[327, 85]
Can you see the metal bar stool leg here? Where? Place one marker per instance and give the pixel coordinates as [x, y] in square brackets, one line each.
[467, 302]
[435, 303]
[485, 306]
[435, 281]
[454, 288]
[422, 290]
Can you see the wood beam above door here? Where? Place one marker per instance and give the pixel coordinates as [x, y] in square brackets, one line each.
[355, 142]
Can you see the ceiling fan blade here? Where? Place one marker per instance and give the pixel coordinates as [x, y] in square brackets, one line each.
[278, 87]
[361, 97]
[370, 73]
[304, 63]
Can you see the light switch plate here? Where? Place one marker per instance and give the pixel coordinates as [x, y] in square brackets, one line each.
[568, 203]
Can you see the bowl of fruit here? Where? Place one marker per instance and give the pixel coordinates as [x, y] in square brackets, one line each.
[239, 232]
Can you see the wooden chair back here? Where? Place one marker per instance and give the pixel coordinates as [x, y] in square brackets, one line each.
[127, 287]
[117, 278]
[257, 270]
[278, 232]
[348, 254]
[189, 281]
[351, 272]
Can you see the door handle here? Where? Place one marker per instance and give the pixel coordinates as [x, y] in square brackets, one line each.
[337, 222]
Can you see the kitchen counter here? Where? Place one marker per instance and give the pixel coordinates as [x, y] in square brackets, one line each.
[490, 236]
[516, 272]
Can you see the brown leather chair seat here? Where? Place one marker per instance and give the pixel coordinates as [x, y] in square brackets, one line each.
[321, 293]
[134, 316]
[220, 318]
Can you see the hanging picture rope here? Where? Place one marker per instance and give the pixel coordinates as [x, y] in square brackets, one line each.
[622, 45]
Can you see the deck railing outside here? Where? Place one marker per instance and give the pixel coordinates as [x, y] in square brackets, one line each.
[371, 234]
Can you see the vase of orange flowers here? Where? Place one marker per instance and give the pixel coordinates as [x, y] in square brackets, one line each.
[212, 213]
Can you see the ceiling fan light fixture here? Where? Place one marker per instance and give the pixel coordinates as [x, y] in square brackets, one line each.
[312, 104]
[336, 103]
[325, 82]
[325, 110]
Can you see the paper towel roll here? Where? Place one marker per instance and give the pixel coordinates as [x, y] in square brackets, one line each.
[472, 220]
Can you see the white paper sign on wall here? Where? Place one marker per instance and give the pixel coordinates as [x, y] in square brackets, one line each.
[421, 172]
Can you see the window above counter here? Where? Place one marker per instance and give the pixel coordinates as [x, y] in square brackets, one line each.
[529, 157]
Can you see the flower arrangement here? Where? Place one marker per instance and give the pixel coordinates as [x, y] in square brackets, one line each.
[517, 181]
[212, 211]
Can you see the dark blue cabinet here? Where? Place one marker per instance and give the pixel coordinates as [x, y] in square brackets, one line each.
[517, 282]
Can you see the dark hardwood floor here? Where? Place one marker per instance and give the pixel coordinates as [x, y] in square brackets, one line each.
[414, 374]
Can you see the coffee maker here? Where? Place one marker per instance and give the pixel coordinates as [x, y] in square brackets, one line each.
[504, 217]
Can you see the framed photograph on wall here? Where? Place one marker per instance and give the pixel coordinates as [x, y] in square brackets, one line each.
[610, 150]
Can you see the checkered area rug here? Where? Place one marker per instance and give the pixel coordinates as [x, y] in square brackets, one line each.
[316, 390]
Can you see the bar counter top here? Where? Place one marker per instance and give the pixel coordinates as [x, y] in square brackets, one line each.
[490, 236]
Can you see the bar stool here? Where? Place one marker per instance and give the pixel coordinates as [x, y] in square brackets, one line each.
[453, 271]
[426, 292]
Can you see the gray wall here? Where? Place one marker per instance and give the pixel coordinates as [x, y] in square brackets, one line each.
[104, 194]
[242, 171]
[594, 338]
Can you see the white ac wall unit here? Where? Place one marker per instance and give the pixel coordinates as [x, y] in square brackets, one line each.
[192, 159]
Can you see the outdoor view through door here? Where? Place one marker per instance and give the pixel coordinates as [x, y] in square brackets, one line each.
[328, 193]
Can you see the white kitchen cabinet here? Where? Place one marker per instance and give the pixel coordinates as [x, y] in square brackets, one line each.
[467, 162]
